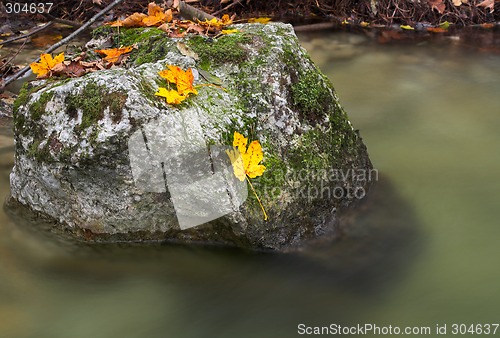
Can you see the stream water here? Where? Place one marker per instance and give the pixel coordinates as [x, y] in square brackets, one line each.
[426, 253]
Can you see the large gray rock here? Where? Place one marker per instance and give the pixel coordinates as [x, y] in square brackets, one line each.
[80, 160]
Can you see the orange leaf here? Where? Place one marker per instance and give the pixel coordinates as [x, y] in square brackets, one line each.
[156, 16]
[436, 30]
[113, 55]
[182, 79]
[135, 20]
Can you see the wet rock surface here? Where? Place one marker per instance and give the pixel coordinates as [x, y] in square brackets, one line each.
[73, 155]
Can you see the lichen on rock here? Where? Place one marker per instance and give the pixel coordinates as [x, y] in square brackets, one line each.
[73, 161]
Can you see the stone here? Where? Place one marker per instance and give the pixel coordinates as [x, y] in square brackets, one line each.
[80, 160]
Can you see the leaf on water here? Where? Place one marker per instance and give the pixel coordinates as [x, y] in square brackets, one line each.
[45, 40]
[407, 27]
[263, 20]
[114, 55]
[44, 68]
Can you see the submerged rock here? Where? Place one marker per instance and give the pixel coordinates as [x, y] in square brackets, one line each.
[99, 153]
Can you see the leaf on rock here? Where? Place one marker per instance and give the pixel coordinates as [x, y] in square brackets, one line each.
[245, 161]
[229, 31]
[172, 96]
[182, 79]
[44, 68]
[251, 157]
[407, 27]
[134, 20]
[115, 55]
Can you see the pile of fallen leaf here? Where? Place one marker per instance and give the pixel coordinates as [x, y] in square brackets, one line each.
[169, 21]
[156, 17]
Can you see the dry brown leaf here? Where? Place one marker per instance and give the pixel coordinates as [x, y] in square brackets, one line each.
[437, 5]
[135, 20]
[488, 4]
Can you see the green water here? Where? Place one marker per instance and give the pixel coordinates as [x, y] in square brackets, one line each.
[424, 253]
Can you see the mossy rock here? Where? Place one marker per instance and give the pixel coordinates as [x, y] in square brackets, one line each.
[73, 160]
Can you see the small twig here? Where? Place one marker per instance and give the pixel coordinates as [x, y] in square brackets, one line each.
[227, 7]
[28, 34]
[14, 56]
[63, 41]
[62, 21]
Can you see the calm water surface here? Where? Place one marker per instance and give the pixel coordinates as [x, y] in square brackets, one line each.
[425, 252]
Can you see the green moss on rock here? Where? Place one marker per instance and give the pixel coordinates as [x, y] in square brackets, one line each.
[93, 102]
[228, 48]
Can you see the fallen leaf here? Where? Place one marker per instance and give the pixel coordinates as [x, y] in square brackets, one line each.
[263, 20]
[229, 31]
[46, 64]
[487, 25]
[114, 55]
[182, 79]
[172, 96]
[74, 69]
[364, 24]
[444, 25]
[186, 51]
[45, 40]
[488, 4]
[156, 16]
[245, 161]
[407, 27]
[134, 20]
[251, 157]
[437, 5]
[436, 30]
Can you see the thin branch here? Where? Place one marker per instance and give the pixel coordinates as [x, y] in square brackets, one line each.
[63, 41]
[189, 12]
[28, 34]
[227, 7]
[62, 21]
[14, 56]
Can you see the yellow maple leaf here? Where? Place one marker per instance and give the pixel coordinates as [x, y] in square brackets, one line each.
[182, 79]
[46, 64]
[246, 165]
[172, 96]
[259, 20]
[113, 55]
[251, 157]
